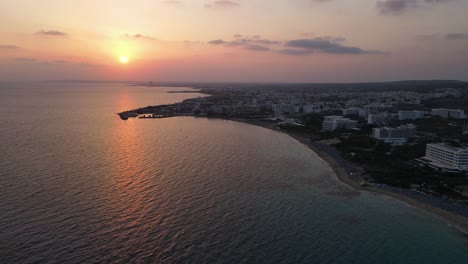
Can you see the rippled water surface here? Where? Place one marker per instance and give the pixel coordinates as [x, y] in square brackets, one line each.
[78, 185]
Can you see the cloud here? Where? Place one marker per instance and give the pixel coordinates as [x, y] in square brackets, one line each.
[139, 37]
[254, 43]
[266, 42]
[222, 4]
[256, 47]
[296, 52]
[449, 36]
[52, 33]
[239, 41]
[323, 45]
[296, 47]
[26, 59]
[191, 43]
[174, 3]
[9, 47]
[89, 65]
[394, 7]
[427, 37]
[217, 42]
[456, 36]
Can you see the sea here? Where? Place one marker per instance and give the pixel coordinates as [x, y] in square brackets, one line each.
[80, 185]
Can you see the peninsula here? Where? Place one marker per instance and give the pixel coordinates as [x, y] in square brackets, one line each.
[374, 136]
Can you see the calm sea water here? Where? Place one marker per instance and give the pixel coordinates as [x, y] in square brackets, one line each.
[78, 185]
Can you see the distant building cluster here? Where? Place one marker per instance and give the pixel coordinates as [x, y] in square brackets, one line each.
[387, 114]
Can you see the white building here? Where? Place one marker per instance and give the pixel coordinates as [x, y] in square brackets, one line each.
[395, 136]
[448, 113]
[332, 123]
[443, 155]
[410, 115]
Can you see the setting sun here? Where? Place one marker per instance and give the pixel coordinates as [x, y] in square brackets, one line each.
[123, 59]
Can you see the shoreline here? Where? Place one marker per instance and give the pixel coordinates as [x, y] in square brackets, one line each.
[342, 175]
[339, 168]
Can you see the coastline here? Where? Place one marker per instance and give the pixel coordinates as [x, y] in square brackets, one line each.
[458, 222]
[340, 169]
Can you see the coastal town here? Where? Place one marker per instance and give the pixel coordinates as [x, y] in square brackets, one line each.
[406, 138]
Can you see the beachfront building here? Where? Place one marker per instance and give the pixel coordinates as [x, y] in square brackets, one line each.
[332, 123]
[445, 156]
[395, 136]
[448, 113]
[410, 115]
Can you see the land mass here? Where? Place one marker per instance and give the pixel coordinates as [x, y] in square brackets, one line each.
[357, 159]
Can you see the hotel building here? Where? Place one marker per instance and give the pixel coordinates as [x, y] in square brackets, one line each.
[447, 156]
[395, 136]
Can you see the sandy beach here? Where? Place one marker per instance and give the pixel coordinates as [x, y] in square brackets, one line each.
[456, 221]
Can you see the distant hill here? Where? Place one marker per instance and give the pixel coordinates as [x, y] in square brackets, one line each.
[406, 85]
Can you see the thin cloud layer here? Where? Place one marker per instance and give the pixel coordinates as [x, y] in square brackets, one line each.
[399, 6]
[9, 47]
[296, 52]
[254, 43]
[256, 47]
[449, 36]
[222, 4]
[295, 47]
[322, 45]
[139, 37]
[25, 59]
[175, 3]
[52, 33]
[457, 36]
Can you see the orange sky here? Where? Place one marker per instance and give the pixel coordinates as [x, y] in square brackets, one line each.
[238, 40]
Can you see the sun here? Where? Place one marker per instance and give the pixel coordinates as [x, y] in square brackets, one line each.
[123, 59]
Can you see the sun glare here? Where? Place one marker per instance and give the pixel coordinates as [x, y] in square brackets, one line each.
[123, 59]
